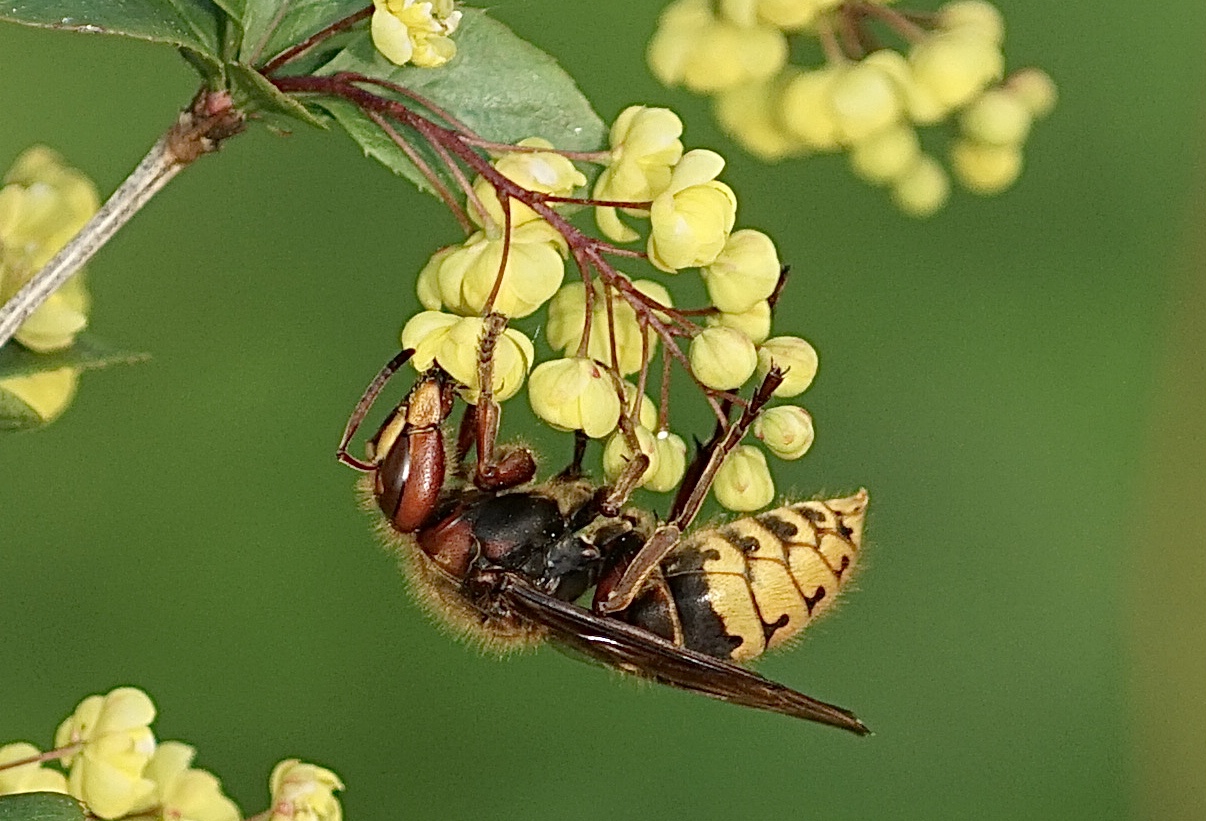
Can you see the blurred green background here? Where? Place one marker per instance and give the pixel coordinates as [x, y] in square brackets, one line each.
[1019, 382]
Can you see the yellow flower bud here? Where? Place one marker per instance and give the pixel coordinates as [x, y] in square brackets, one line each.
[745, 273]
[923, 189]
[750, 114]
[415, 31]
[617, 454]
[574, 394]
[996, 117]
[920, 104]
[535, 268]
[27, 777]
[955, 66]
[887, 154]
[692, 218]
[304, 792]
[793, 15]
[453, 342]
[428, 284]
[46, 393]
[1035, 88]
[986, 169]
[978, 16]
[706, 54]
[807, 112]
[647, 415]
[786, 431]
[792, 355]
[754, 322]
[743, 483]
[543, 171]
[114, 731]
[671, 463]
[567, 317]
[722, 358]
[43, 204]
[864, 98]
[182, 793]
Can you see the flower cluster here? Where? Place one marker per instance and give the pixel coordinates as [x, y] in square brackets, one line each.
[43, 204]
[866, 99]
[607, 328]
[115, 766]
[414, 32]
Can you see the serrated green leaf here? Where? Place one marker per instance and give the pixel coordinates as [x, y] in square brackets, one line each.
[271, 26]
[253, 92]
[499, 85]
[190, 24]
[88, 353]
[40, 806]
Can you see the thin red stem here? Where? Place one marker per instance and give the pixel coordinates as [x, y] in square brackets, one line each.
[301, 48]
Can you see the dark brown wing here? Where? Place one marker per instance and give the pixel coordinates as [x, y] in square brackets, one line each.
[634, 650]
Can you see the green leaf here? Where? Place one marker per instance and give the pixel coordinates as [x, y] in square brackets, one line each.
[88, 353]
[190, 24]
[40, 806]
[271, 26]
[499, 85]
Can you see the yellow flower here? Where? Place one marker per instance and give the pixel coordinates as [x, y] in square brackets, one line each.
[46, 393]
[754, 322]
[543, 171]
[567, 317]
[304, 792]
[574, 394]
[671, 452]
[453, 342]
[43, 204]
[182, 793]
[707, 54]
[27, 777]
[466, 275]
[691, 220]
[114, 731]
[751, 115]
[645, 147]
[410, 31]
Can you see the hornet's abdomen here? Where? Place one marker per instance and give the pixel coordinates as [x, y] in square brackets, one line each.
[740, 589]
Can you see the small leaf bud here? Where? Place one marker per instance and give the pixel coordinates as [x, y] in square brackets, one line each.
[722, 358]
[792, 355]
[786, 431]
[743, 483]
[574, 394]
[745, 273]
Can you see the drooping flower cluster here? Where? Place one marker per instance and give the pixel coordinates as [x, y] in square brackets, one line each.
[418, 32]
[115, 766]
[606, 328]
[42, 205]
[866, 99]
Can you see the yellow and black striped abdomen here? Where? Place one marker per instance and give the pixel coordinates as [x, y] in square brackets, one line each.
[737, 590]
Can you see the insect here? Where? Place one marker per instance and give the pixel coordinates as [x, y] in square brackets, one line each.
[504, 561]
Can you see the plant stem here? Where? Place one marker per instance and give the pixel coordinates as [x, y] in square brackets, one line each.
[41, 758]
[199, 130]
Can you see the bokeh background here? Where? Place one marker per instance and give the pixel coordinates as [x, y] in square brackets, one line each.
[1019, 382]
